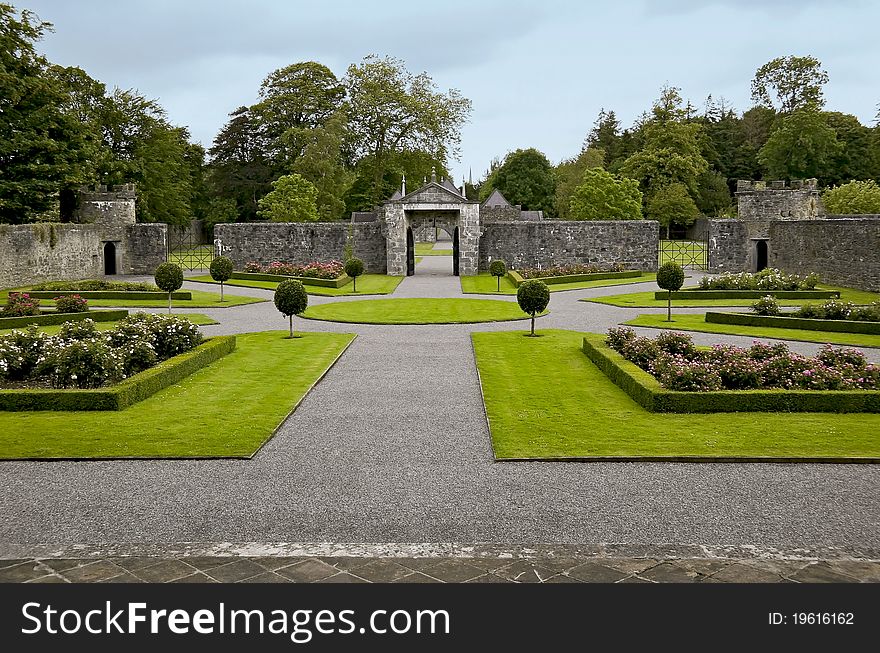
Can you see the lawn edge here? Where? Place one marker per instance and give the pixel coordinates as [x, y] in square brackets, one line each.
[483, 397]
[830, 460]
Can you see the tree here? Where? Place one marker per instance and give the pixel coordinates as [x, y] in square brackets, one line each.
[391, 110]
[801, 146]
[169, 277]
[221, 270]
[43, 148]
[714, 194]
[416, 166]
[670, 277]
[292, 199]
[855, 160]
[354, 267]
[672, 205]
[603, 196]
[790, 83]
[321, 163]
[291, 299]
[569, 175]
[853, 198]
[498, 268]
[527, 178]
[533, 295]
[605, 137]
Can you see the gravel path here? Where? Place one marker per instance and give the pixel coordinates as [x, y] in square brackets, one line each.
[392, 446]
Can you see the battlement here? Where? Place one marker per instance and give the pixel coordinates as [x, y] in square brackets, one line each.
[749, 186]
[109, 205]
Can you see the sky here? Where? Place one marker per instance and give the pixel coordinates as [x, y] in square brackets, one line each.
[537, 72]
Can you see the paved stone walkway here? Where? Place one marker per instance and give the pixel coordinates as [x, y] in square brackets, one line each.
[392, 446]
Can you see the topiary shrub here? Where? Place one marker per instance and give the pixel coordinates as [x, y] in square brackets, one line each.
[533, 296]
[498, 268]
[354, 267]
[169, 277]
[767, 305]
[670, 277]
[221, 270]
[71, 304]
[291, 299]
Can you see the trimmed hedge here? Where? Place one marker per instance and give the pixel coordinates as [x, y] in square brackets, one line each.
[689, 293]
[129, 392]
[338, 282]
[646, 391]
[517, 278]
[109, 294]
[785, 322]
[46, 319]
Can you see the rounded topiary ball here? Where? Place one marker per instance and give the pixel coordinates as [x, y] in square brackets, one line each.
[169, 277]
[291, 297]
[670, 276]
[354, 267]
[498, 268]
[533, 296]
[221, 268]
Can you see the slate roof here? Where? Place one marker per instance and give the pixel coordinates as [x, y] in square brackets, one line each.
[496, 199]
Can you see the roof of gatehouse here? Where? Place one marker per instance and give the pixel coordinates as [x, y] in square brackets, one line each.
[496, 199]
[431, 193]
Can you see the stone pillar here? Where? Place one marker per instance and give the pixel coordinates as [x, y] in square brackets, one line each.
[468, 239]
[395, 224]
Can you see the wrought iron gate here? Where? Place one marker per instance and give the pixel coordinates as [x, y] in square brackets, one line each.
[455, 252]
[410, 252]
[689, 254]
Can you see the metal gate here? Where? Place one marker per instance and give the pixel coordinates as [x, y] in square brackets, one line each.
[410, 252]
[689, 254]
[188, 249]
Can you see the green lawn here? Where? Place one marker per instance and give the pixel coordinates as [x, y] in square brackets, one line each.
[417, 311]
[545, 399]
[691, 322]
[200, 299]
[228, 409]
[427, 249]
[368, 284]
[485, 284]
[195, 318]
[687, 253]
[646, 299]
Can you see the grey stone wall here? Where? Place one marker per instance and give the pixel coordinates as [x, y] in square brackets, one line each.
[499, 214]
[632, 243]
[111, 206]
[844, 251]
[146, 248]
[31, 253]
[298, 242]
[759, 200]
[729, 246]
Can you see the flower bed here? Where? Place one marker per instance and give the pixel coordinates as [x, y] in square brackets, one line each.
[696, 293]
[741, 368]
[306, 281]
[516, 278]
[314, 270]
[789, 321]
[768, 279]
[565, 271]
[96, 284]
[81, 356]
[110, 294]
[46, 318]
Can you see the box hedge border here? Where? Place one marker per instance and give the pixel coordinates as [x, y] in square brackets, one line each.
[786, 322]
[108, 294]
[338, 282]
[516, 278]
[689, 293]
[646, 391]
[46, 319]
[122, 395]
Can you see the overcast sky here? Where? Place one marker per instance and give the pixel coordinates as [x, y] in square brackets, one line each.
[537, 72]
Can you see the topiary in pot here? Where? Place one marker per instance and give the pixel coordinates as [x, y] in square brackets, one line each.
[221, 270]
[498, 268]
[533, 296]
[169, 277]
[670, 277]
[291, 299]
[354, 267]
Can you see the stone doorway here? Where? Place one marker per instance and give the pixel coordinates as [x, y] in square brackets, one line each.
[761, 255]
[110, 266]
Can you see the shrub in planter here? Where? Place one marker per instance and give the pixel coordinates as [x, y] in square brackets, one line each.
[137, 356]
[810, 311]
[767, 305]
[533, 296]
[354, 267]
[679, 373]
[498, 268]
[834, 357]
[20, 304]
[762, 351]
[291, 299]
[20, 353]
[641, 351]
[81, 330]
[82, 364]
[221, 270]
[870, 313]
[767, 279]
[670, 277]
[673, 342]
[71, 304]
[617, 337]
[169, 277]
[834, 309]
[253, 266]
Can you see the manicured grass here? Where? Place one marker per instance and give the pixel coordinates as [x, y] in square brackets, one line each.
[367, 284]
[646, 299]
[697, 322]
[684, 252]
[417, 311]
[200, 299]
[195, 318]
[485, 284]
[228, 409]
[545, 399]
[427, 249]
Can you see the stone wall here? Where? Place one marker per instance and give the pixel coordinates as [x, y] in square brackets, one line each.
[632, 243]
[31, 253]
[729, 246]
[146, 248]
[299, 242]
[844, 251]
[113, 206]
[499, 214]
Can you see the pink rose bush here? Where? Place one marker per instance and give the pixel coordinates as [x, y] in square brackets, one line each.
[315, 270]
